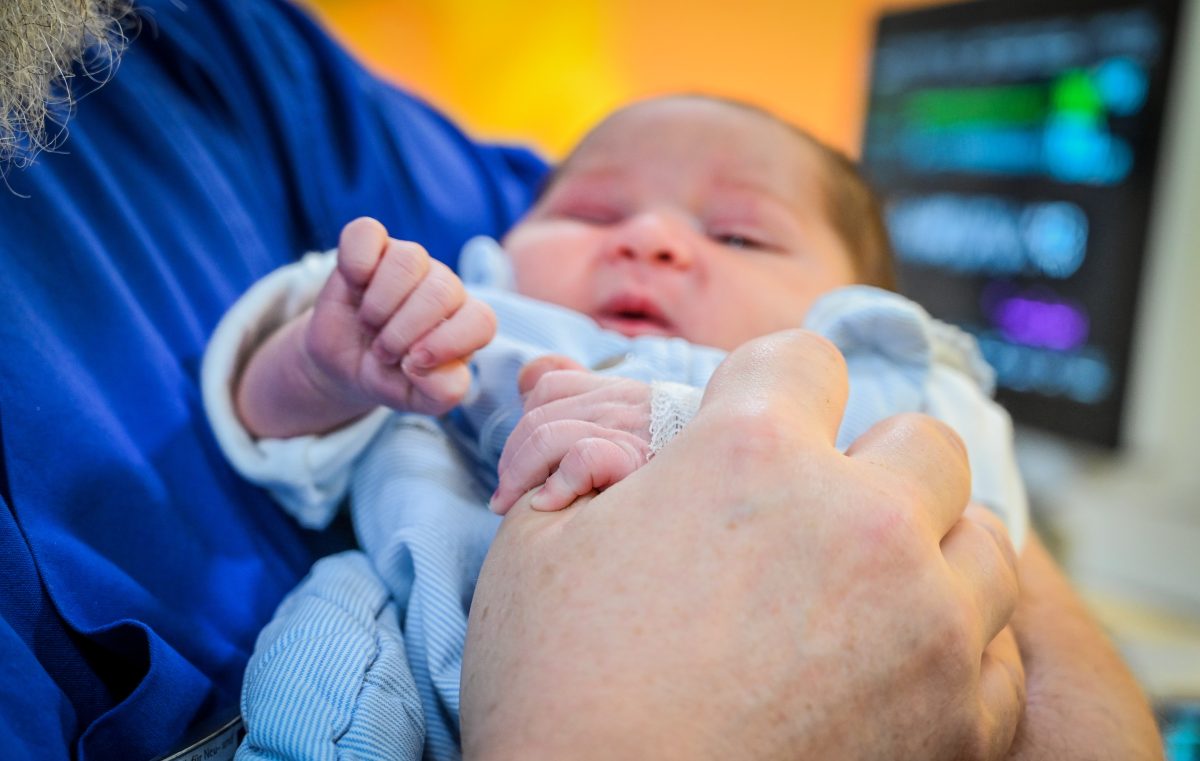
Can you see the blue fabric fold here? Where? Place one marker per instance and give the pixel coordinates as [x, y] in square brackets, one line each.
[329, 678]
[138, 568]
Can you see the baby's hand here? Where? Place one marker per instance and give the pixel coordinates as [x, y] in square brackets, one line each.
[393, 326]
[580, 432]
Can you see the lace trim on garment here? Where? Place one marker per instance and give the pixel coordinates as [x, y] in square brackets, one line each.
[672, 406]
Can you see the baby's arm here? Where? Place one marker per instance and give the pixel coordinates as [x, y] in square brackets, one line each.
[391, 327]
[583, 431]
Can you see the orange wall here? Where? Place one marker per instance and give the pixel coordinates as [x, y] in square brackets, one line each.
[543, 72]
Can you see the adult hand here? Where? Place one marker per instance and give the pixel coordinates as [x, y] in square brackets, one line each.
[753, 593]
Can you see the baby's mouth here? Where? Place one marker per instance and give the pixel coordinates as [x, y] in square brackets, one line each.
[634, 316]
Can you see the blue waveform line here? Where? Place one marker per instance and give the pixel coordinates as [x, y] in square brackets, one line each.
[1083, 375]
[1015, 51]
[1065, 150]
[989, 235]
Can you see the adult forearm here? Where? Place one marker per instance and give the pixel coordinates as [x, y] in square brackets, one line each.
[280, 392]
[1082, 700]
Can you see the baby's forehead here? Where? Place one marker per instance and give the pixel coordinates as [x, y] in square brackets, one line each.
[686, 132]
[688, 114]
[718, 143]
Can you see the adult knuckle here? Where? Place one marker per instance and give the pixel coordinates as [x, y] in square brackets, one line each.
[928, 431]
[996, 534]
[887, 518]
[953, 641]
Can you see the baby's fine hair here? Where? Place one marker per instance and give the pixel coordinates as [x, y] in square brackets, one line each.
[856, 214]
[853, 209]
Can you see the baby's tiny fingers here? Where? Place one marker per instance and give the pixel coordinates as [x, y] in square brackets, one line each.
[360, 246]
[591, 464]
[538, 453]
[616, 403]
[456, 338]
[400, 272]
[534, 372]
[534, 457]
[439, 295]
[437, 390]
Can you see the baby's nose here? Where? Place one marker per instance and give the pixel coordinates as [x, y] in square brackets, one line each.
[654, 238]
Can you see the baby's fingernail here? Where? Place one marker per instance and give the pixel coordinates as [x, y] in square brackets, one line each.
[412, 367]
[539, 500]
[421, 357]
[492, 502]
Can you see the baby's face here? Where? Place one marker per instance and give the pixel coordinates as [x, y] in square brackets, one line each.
[687, 218]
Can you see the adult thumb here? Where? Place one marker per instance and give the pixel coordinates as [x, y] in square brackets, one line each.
[793, 375]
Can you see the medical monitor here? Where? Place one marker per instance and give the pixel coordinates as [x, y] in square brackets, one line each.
[1015, 145]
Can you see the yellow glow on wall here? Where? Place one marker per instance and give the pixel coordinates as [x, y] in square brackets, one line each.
[544, 72]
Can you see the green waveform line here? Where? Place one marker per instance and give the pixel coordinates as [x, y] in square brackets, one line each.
[1073, 95]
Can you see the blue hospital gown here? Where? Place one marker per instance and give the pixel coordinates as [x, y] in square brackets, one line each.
[137, 567]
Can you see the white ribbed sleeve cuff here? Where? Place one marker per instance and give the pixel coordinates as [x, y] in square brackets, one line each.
[307, 475]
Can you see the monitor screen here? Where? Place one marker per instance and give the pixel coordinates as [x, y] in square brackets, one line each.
[1014, 145]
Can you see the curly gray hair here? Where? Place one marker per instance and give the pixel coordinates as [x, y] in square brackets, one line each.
[45, 45]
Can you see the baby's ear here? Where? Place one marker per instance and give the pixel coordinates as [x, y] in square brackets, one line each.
[531, 373]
